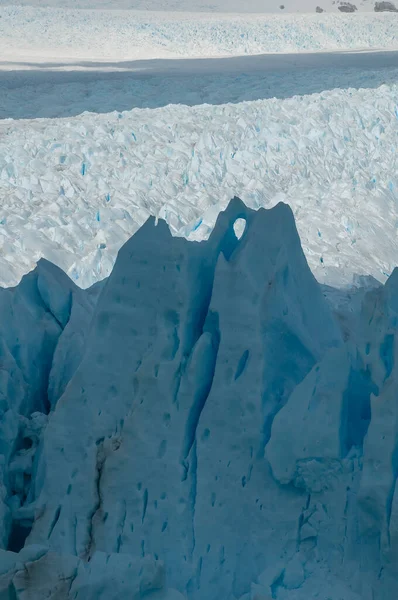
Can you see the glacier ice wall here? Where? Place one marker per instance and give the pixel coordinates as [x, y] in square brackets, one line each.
[203, 424]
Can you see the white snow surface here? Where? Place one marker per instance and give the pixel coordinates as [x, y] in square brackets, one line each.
[73, 190]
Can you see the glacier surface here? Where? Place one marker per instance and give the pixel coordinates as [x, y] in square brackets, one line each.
[106, 34]
[208, 422]
[203, 6]
[73, 190]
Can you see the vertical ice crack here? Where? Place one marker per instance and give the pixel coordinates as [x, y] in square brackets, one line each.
[204, 381]
[390, 497]
[193, 492]
[144, 505]
[121, 524]
[99, 467]
[54, 521]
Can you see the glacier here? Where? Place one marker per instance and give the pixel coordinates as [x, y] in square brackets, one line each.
[73, 190]
[207, 422]
[60, 32]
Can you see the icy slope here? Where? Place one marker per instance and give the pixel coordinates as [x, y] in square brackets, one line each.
[74, 190]
[222, 435]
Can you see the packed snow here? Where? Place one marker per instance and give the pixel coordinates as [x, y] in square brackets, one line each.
[201, 425]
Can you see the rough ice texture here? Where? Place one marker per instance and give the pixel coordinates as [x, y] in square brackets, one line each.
[37, 573]
[107, 34]
[74, 191]
[163, 7]
[201, 425]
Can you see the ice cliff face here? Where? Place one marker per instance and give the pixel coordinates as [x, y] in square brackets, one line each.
[201, 425]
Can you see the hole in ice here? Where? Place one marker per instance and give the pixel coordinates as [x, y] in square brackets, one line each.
[27, 443]
[19, 533]
[239, 227]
